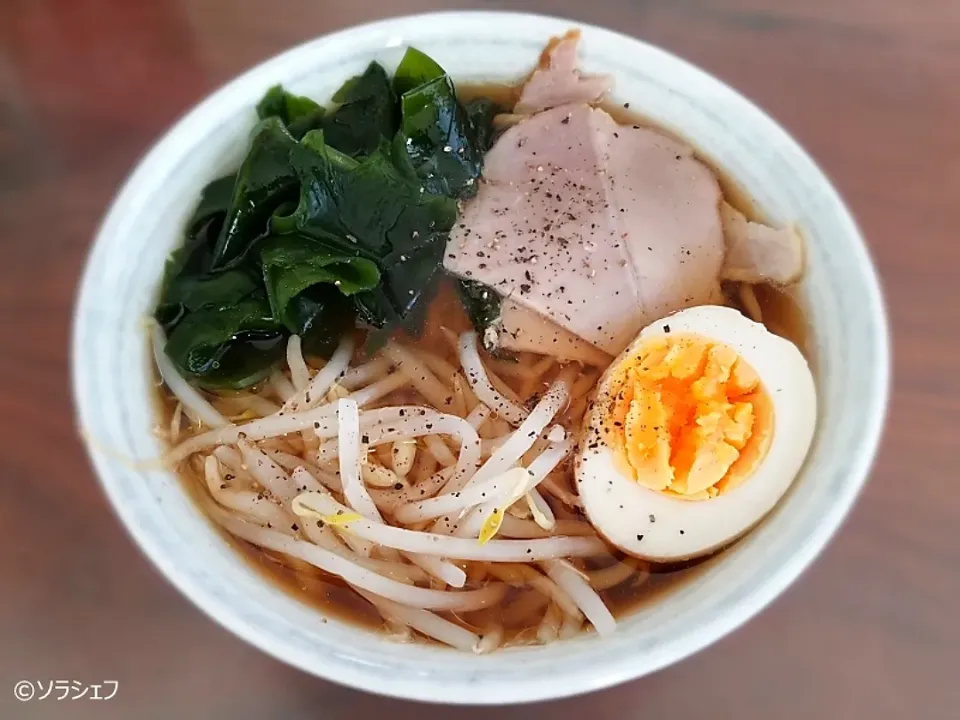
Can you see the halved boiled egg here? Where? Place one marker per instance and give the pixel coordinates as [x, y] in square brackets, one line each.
[697, 430]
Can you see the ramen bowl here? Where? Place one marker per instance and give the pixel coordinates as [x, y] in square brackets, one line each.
[115, 388]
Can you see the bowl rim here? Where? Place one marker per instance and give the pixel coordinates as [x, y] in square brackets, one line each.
[612, 672]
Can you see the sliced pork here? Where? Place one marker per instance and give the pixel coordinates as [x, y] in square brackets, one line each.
[599, 228]
[590, 230]
[757, 253]
[523, 330]
[556, 80]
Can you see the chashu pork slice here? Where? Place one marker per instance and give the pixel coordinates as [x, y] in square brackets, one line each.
[597, 227]
[757, 253]
[557, 81]
[523, 330]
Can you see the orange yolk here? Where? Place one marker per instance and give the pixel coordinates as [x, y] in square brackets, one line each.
[688, 417]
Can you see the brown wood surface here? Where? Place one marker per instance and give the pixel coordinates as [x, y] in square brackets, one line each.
[871, 87]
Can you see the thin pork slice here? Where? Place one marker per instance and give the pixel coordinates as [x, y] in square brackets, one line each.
[597, 227]
[757, 253]
[669, 221]
[556, 80]
[523, 330]
[542, 231]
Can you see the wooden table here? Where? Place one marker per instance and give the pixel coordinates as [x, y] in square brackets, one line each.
[870, 87]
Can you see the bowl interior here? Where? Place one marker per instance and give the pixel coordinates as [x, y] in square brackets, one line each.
[113, 388]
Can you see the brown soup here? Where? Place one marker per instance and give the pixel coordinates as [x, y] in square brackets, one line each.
[522, 610]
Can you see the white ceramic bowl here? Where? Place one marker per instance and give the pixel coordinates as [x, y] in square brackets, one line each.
[113, 385]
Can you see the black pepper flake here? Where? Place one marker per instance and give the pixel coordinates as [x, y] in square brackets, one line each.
[365, 439]
[294, 527]
[666, 328]
[398, 486]
[565, 121]
[626, 106]
[681, 532]
[639, 538]
[653, 518]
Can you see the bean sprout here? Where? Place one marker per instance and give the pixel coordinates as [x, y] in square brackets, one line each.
[480, 383]
[327, 509]
[181, 389]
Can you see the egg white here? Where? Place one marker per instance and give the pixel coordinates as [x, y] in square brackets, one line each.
[654, 526]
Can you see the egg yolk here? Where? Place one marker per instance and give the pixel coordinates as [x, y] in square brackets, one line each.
[688, 417]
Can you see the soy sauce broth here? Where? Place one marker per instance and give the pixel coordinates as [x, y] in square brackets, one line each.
[333, 598]
[652, 583]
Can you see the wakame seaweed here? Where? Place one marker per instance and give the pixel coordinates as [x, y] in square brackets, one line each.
[444, 140]
[264, 182]
[188, 293]
[481, 112]
[335, 217]
[280, 103]
[293, 264]
[440, 139]
[215, 201]
[482, 304]
[299, 114]
[228, 347]
[367, 113]
[415, 69]
[369, 205]
[372, 209]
